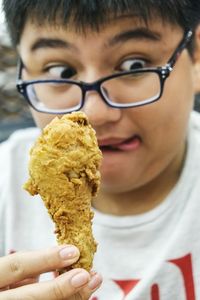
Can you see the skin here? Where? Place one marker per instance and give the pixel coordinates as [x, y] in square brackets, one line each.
[152, 168]
[19, 273]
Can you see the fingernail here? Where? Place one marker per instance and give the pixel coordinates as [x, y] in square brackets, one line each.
[79, 279]
[95, 281]
[68, 252]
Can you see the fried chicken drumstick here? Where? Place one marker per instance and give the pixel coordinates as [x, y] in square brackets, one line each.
[64, 171]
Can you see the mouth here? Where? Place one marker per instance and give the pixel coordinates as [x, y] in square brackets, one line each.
[129, 144]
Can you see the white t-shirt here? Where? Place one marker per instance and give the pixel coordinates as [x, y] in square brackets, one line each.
[152, 256]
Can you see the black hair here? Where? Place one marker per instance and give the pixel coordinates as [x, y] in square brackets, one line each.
[94, 13]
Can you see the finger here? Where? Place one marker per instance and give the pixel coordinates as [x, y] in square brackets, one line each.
[19, 266]
[61, 288]
[94, 283]
[5, 288]
[24, 282]
[56, 274]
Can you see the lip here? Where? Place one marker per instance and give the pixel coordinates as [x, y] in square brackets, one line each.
[111, 141]
[120, 144]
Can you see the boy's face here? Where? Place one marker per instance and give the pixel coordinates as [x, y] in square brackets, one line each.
[148, 140]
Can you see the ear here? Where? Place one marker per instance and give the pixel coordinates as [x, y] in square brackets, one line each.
[197, 45]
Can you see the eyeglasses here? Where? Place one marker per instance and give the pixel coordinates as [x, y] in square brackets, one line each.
[121, 90]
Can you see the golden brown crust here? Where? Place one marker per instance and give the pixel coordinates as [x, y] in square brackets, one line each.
[64, 170]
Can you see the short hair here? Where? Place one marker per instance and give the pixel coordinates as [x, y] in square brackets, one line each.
[94, 13]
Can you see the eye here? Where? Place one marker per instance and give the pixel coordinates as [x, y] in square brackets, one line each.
[63, 72]
[132, 64]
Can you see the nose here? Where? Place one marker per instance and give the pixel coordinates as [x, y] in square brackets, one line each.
[98, 112]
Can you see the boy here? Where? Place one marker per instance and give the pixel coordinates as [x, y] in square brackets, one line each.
[129, 65]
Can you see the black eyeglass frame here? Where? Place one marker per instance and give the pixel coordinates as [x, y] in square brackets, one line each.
[163, 73]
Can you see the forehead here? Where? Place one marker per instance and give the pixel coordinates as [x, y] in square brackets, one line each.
[108, 32]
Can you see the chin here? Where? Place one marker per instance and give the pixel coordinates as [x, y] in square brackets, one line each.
[116, 185]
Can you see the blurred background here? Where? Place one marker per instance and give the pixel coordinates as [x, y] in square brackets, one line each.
[14, 112]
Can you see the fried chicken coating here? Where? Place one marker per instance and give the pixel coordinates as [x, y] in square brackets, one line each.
[64, 171]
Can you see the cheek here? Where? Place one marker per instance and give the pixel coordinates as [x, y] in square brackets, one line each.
[179, 88]
[163, 125]
[42, 119]
[169, 116]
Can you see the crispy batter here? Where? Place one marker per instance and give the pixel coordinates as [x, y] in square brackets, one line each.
[64, 170]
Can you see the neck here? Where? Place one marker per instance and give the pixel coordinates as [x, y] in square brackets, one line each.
[142, 199]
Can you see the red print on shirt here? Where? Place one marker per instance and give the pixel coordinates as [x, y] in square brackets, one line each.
[184, 264]
[126, 285]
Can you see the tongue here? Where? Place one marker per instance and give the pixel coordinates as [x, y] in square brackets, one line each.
[128, 145]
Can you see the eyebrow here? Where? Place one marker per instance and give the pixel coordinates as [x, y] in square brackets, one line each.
[135, 34]
[53, 43]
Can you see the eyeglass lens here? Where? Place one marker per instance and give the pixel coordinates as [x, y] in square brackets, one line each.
[52, 96]
[132, 88]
